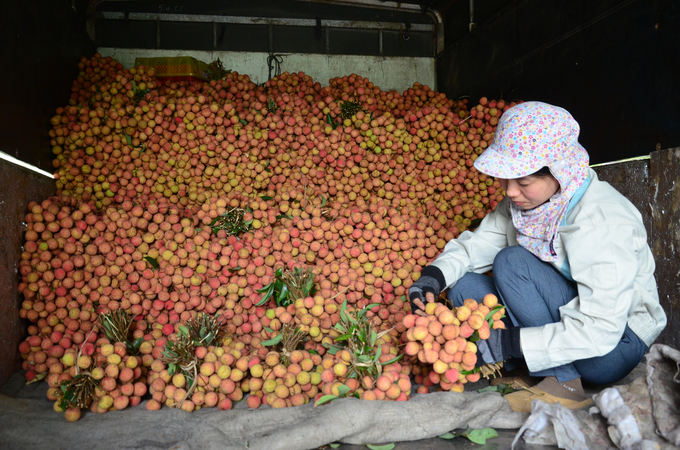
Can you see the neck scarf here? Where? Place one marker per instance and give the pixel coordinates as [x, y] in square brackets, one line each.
[537, 228]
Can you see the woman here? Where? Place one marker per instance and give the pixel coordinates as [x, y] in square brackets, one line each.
[570, 262]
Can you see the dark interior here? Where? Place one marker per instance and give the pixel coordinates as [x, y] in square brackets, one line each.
[613, 64]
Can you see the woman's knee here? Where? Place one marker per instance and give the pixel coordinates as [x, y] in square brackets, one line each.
[510, 260]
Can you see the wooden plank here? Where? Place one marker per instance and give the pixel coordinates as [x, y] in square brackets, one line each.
[17, 188]
[632, 180]
[665, 211]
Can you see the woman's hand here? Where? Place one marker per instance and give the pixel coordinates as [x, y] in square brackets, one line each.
[500, 346]
[426, 289]
[419, 297]
[429, 298]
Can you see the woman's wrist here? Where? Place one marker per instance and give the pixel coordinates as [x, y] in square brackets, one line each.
[435, 273]
[512, 344]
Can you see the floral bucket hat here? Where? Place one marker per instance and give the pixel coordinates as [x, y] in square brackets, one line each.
[530, 136]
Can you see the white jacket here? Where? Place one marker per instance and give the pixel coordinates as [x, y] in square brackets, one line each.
[601, 245]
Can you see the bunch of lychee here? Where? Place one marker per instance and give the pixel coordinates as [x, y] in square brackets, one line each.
[116, 378]
[218, 377]
[445, 339]
[391, 381]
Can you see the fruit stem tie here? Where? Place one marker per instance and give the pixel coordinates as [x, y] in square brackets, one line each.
[186, 368]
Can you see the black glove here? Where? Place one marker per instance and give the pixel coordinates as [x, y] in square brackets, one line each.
[501, 345]
[431, 280]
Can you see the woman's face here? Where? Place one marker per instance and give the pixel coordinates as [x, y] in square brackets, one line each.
[530, 191]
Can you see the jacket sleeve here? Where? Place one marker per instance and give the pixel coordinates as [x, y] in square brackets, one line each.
[604, 265]
[475, 251]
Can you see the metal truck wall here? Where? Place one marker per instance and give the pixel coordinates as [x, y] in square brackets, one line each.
[18, 187]
[42, 41]
[277, 26]
[388, 73]
[613, 64]
[651, 186]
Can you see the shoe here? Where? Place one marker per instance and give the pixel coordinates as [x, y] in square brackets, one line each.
[521, 400]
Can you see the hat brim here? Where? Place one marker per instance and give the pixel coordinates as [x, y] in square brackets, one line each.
[491, 162]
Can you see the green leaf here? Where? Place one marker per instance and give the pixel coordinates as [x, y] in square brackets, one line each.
[282, 299]
[387, 363]
[448, 435]
[362, 336]
[344, 337]
[474, 337]
[183, 330]
[332, 349]
[474, 223]
[269, 287]
[490, 389]
[266, 197]
[329, 120]
[378, 352]
[380, 447]
[134, 347]
[243, 122]
[265, 298]
[283, 216]
[273, 341]
[343, 316]
[152, 261]
[323, 201]
[334, 445]
[236, 269]
[480, 436]
[268, 330]
[501, 388]
[68, 395]
[262, 301]
[374, 337]
[343, 389]
[325, 399]
[493, 311]
[309, 285]
[363, 358]
[128, 138]
[365, 309]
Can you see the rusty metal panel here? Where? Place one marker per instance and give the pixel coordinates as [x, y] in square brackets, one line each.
[665, 211]
[17, 188]
[632, 180]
